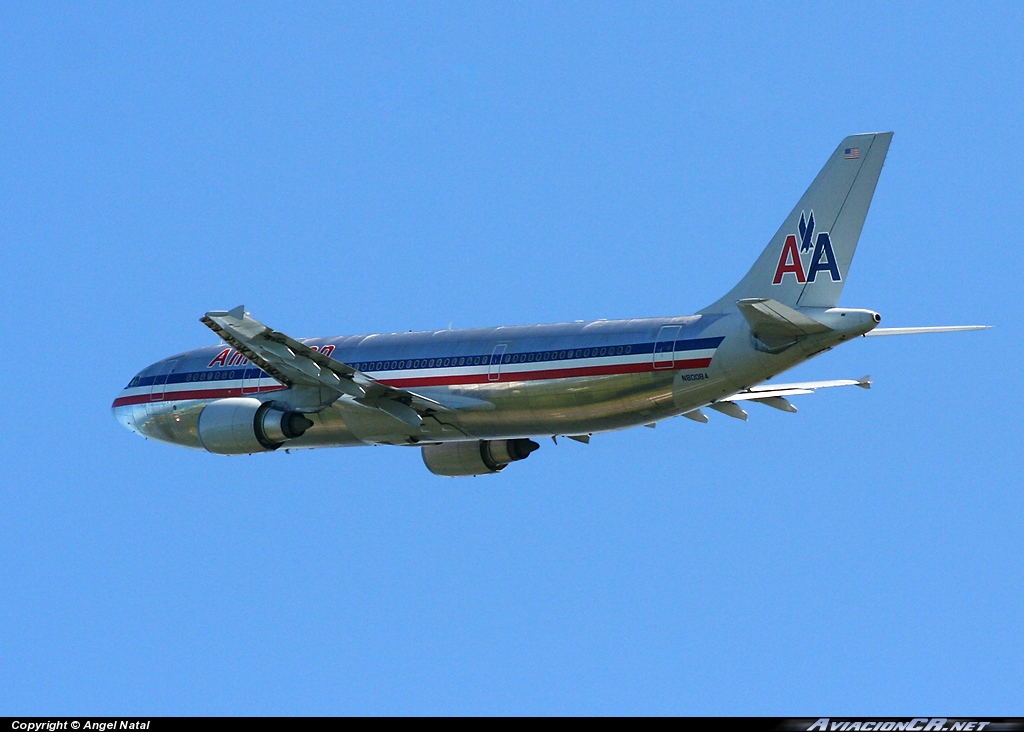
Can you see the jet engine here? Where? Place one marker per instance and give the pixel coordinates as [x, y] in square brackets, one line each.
[475, 458]
[243, 425]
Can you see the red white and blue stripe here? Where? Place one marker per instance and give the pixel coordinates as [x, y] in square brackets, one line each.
[216, 380]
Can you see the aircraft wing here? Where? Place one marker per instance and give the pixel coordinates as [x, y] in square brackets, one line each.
[297, 365]
[774, 395]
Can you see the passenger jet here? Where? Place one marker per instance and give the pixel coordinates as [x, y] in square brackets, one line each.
[473, 400]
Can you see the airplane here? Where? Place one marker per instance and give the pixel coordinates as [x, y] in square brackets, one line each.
[473, 400]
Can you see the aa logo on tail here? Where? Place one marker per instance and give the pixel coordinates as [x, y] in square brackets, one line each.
[822, 259]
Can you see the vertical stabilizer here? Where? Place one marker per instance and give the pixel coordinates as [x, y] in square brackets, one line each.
[806, 262]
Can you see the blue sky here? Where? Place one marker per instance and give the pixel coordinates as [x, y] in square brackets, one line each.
[352, 168]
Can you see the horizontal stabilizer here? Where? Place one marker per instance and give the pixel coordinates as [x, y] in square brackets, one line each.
[926, 329]
[777, 326]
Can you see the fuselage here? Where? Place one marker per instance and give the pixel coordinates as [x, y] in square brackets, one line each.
[500, 383]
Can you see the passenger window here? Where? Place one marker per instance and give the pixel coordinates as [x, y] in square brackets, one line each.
[628, 349]
[618, 350]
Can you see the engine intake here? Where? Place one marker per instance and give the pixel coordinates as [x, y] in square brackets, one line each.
[243, 425]
[483, 457]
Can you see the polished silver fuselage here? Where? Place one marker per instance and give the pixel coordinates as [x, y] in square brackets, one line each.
[507, 382]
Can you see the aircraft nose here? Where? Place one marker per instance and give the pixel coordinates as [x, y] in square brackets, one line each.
[123, 405]
[126, 416]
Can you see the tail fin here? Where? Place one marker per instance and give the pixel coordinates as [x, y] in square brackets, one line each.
[806, 262]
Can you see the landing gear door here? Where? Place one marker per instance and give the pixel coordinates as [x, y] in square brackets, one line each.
[665, 347]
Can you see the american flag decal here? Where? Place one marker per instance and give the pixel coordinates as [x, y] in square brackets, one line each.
[851, 153]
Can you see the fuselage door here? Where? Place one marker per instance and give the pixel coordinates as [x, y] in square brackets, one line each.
[167, 368]
[251, 378]
[494, 368]
[665, 347]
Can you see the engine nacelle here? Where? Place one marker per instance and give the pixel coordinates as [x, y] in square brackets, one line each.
[243, 425]
[475, 458]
